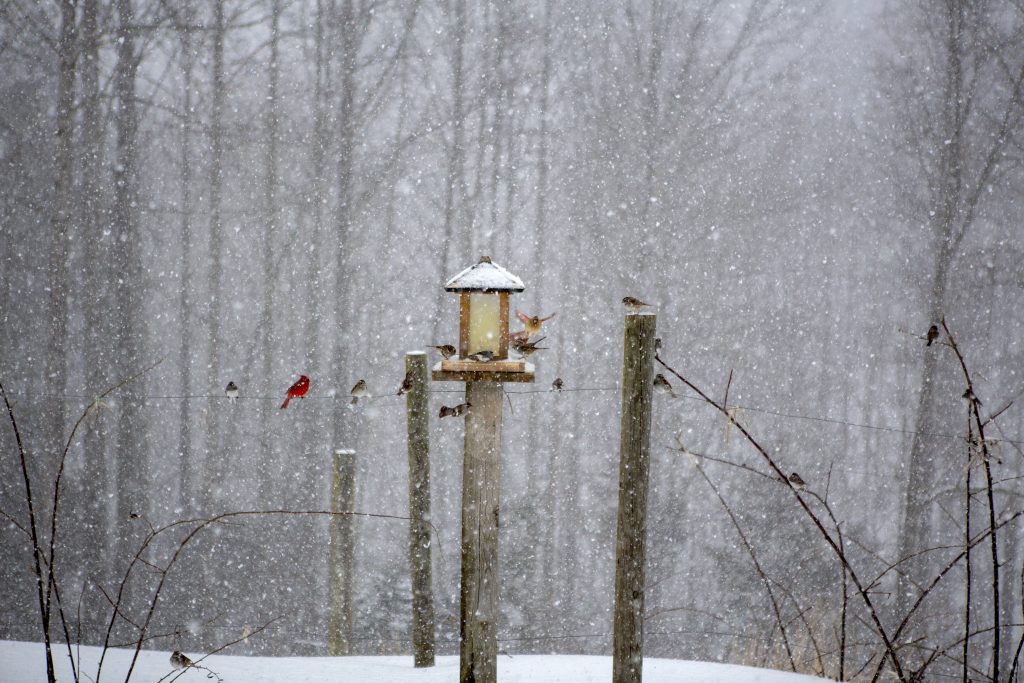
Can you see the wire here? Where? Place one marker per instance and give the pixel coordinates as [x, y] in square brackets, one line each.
[346, 398]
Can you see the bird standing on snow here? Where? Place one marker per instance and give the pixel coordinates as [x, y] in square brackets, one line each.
[661, 384]
[481, 356]
[359, 391]
[932, 335]
[297, 390]
[446, 350]
[406, 384]
[231, 391]
[557, 384]
[633, 305]
[179, 660]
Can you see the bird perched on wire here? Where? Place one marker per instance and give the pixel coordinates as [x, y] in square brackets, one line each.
[406, 384]
[179, 660]
[531, 324]
[481, 356]
[932, 334]
[661, 384]
[454, 411]
[633, 305]
[231, 391]
[557, 384]
[297, 390]
[446, 350]
[359, 391]
[797, 481]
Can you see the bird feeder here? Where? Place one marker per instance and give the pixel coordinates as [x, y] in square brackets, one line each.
[483, 291]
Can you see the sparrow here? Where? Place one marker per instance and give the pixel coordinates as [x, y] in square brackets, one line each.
[231, 391]
[557, 384]
[455, 411]
[359, 391]
[797, 481]
[525, 348]
[481, 356]
[633, 305]
[661, 384]
[932, 335]
[179, 660]
[446, 350]
[406, 384]
[297, 390]
[532, 323]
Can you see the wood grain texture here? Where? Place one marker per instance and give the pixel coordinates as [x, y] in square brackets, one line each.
[634, 476]
[417, 420]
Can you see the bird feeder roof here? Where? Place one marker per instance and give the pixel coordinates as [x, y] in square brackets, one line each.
[484, 277]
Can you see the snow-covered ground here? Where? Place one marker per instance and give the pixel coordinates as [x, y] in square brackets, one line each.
[23, 663]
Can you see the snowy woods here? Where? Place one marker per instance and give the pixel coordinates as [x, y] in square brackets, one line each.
[197, 192]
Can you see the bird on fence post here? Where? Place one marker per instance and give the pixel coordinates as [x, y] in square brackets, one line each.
[406, 384]
[633, 305]
[932, 335]
[231, 391]
[297, 390]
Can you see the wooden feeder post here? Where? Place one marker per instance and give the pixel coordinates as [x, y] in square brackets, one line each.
[483, 322]
[342, 552]
[419, 510]
[634, 476]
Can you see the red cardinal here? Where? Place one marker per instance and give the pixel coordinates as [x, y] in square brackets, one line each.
[297, 390]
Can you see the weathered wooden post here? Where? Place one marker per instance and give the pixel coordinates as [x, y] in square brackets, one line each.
[419, 510]
[343, 498]
[634, 471]
[483, 364]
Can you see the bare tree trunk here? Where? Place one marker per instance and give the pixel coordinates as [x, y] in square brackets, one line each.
[131, 452]
[268, 466]
[64, 167]
[214, 467]
[187, 479]
[455, 183]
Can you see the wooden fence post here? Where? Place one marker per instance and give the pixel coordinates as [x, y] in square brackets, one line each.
[481, 493]
[343, 498]
[417, 420]
[634, 475]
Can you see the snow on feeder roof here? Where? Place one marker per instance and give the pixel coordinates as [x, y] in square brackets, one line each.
[484, 276]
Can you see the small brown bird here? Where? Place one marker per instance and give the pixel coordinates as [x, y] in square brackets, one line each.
[231, 391]
[481, 356]
[797, 481]
[933, 334]
[532, 322]
[633, 305]
[359, 391]
[179, 660]
[557, 384]
[446, 350]
[526, 348]
[454, 411]
[406, 384]
[661, 384]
